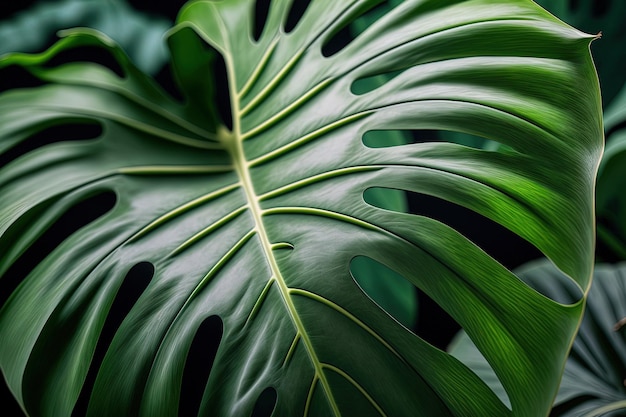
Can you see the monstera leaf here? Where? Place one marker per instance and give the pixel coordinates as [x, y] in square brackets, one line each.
[239, 223]
[593, 382]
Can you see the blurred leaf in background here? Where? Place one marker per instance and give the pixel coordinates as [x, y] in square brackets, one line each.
[140, 35]
[611, 186]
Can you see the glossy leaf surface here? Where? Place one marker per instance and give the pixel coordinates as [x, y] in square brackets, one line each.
[250, 224]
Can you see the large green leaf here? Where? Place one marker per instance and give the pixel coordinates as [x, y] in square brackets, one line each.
[258, 224]
[593, 382]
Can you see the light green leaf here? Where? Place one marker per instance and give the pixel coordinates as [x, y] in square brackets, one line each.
[258, 224]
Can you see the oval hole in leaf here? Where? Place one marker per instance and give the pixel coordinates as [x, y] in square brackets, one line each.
[87, 54]
[296, 11]
[261, 9]
[500, 243]
[135, 283]
[434, 324]
[265, 404]
[387, 138]
[198, 365]
[471, 141]
[386, 198]
[222, 91]
[346, 34]
[15, 76]
[464, 349]
[337, 42]
[60, 131]
[542, 276]
[368, 84]
[387, 289]
[78, 216]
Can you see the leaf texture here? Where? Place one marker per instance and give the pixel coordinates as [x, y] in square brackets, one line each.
[257, 223]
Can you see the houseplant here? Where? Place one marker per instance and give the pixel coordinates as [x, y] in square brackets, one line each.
[243, 220]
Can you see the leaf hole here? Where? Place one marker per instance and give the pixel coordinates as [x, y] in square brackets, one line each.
[368, 84]
[222, 91]
[388, 289]
[386, 198]
[343, 36]
[464, 349]
[544, 279]
[14, 76]
[75, 218]
[434, 324]
[388, 138]
[198, 365]
[60, 131]
[496, 240]
[265, 404]
[337, 41]
[296, 11]
[471, 141]
[87, 54]
[133, 286]
[261, 10]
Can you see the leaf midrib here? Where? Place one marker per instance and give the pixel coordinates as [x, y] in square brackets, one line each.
[233, 142]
